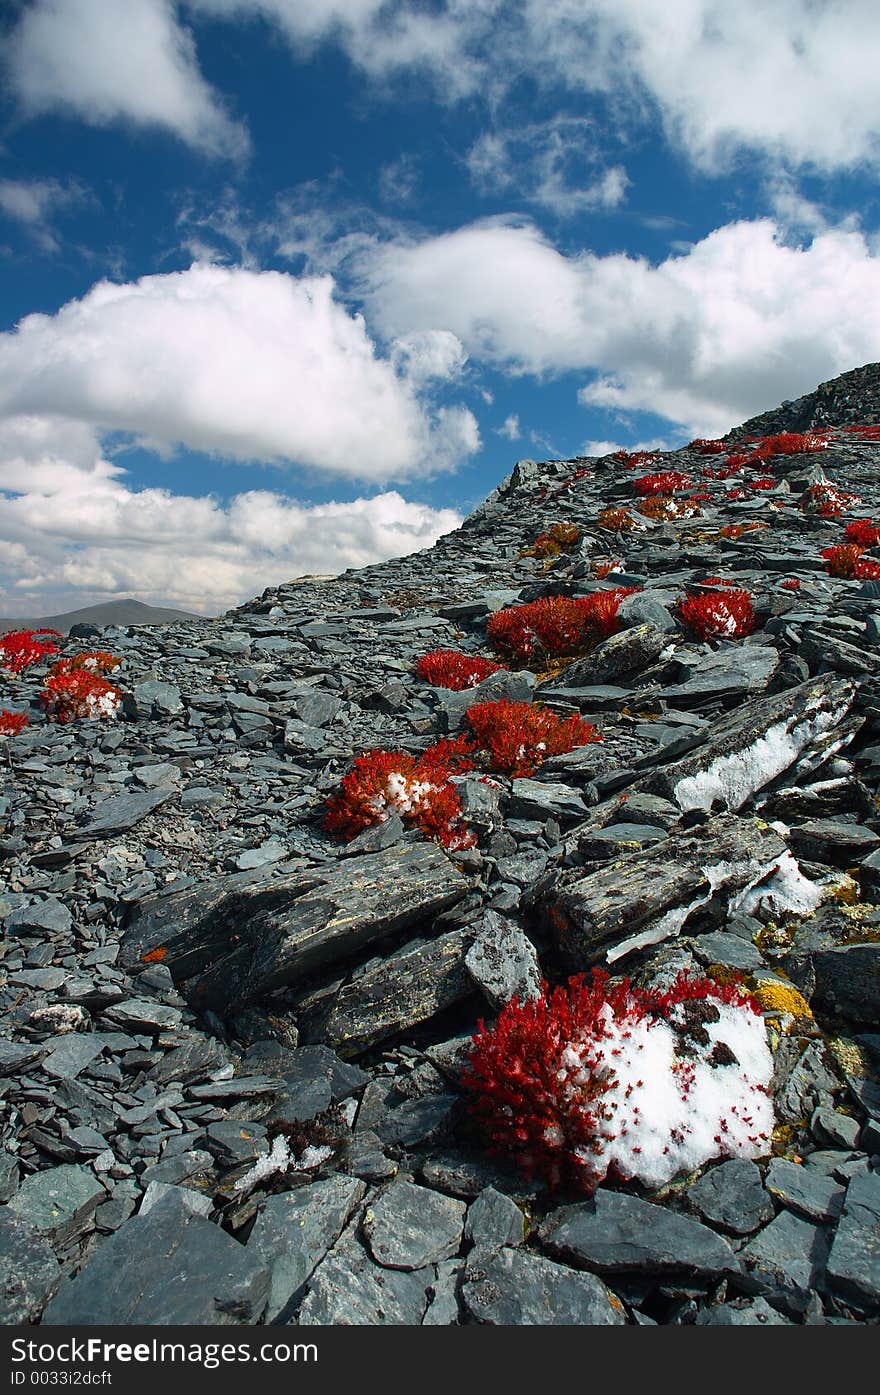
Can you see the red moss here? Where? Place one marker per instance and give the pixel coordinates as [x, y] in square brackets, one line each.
[559, 538]
[729, 615]
[72, 693]
[711, 447]
[11, 723]
[863, 531]
[790, 443]
[380, 782]
[791, 583]
[555, 626]
[528, 1094]
[846, 560]
[663, 507]
[827, 500]
[21, 648]
[765, 482]
[519, 736]
[666, 482]
[617, 521]
[447, 668]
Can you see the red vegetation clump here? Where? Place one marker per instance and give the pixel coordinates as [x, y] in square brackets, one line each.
[666, 482]
[846, 560]
[617, 521]
[868, 433]
[93, 661]
[765, 482]
[11, 723]
[418, 789]
[791, 583]
[548, 1082]
[604, 566]
[663, 507]
[555, 626]
[21, 648]
[736, 530]
[712, 447]
[636, 459]
[789, 443]
[827, 500]
[559, 538]
[519, 736]
[71, 693]
[863, 531]
[447, 668]
[726, 616]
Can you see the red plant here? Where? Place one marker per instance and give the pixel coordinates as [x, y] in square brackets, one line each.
[603, 567]
[617, 520]
[447, 668]
[11, 723]
[847, 561]
[736, 530]
[827, 500]
[868, 433]
[555, 626]
[765, 482]
[93, 661]
[558, 1086]
[789, 443]
[637, 459]
[863, 531]
[663, 506]
[713, 447]
[519, 736]
[559, 538]
[791, 583]
[21, 648]
[666, 482]
[418, 789]
[72, 693]
[726, 616]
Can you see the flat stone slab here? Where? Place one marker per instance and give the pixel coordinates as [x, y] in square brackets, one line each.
[167, 1268]
[854, 1261]
[516, 1289]
[408, 1226]
[788, 1255]
[349, 1290]
[120, 813]
[294, 1231]
[731, 1195]
[226, 945]
[59, 1201]
[29, 1271]
[502, 960]
[804, 1190]
[619, 1234]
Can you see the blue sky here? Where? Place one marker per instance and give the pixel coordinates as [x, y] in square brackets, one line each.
[289, 285]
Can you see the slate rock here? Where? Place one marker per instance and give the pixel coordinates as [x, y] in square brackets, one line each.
[513, 1288]
[168, 1268]
[787, 1259]
[294, 1231]
[502, 961]
[830, 1127]
[121, 812]
[619, 1234]
[854, 1261]
[742, 1312]
[846, 980]
[731, 1196]
[16, 1056]
[349, 1290]
[73, 1053]
[49, 916]
[494, 1220]
[29, 1271]
[408, 1226]
[804, 1190]
[59, 1201]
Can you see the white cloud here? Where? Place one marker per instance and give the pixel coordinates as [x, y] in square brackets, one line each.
[104, 62]
[555, 164]
[248, 365]
[730, 327]
[33, 202]
[791, 79]
[72, 531]
[509, 428]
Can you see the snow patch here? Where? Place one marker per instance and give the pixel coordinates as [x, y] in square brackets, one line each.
[731, 780]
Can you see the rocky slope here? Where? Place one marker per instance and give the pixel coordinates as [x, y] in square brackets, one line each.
[194, 970]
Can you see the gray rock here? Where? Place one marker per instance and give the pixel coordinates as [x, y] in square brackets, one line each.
[194, 1203]
[153, 698]
[58, 1202]
[513, 1288]
[409, 1226]
[731, 1195]
[443, 1307]
[846, 981]
[348, 1290]
[787, 1258]
[732, 951]
[49, 916]
[830, 1127]
[502, 961]
[804, 1190]
[854, 1261]
[494, 1220]
[619, 1234]
[743, 1312]
[168, 1268]
[545, 799]
[29, 1271]
[121, 812]
[73, 1054]
[18, 1055]
[294, 1231]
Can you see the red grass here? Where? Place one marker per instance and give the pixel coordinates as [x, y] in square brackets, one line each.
[863, 531]
[847, 561]
[447, 668]
[726, 616]
[666, 482]
[21, 648]
[11, 723]
[555, 626]
[519, 736]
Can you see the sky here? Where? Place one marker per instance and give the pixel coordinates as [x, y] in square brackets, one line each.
[288, 286]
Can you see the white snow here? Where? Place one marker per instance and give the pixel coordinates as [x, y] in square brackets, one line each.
[280, 1159]
[779, 887]
[671, 923]
[731, 780]
[666, 1111]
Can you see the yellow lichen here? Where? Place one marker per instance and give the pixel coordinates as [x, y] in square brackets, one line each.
[781, 997]
[850, 1056]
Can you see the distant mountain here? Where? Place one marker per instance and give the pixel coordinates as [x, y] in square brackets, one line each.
[127, 612]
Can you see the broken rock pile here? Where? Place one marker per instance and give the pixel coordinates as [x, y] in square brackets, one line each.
[232, 1044]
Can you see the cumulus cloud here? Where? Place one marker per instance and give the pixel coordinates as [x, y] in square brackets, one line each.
[509, 428]
[732, 325]
[794, 80]
[72, 531]
[248, 365]
[104, 62]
